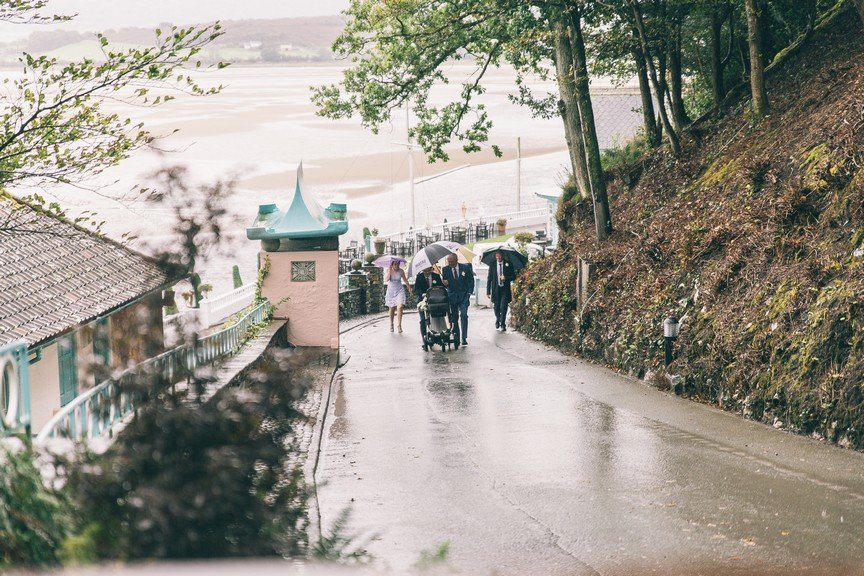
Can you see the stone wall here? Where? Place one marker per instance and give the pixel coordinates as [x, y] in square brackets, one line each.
[352, 302]
[365, 294]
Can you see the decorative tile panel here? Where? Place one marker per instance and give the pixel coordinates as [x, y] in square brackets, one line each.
[303, 271]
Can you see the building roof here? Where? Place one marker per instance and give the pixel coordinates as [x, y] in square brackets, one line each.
[304, 218]
[550, 196]
[55, 275]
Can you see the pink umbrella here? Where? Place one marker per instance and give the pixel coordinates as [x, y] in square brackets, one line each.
[386, 260]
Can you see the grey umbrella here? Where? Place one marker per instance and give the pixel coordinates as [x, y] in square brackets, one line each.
[430, 255]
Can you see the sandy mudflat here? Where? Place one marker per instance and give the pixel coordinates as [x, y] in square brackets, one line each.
[216, 122]
[379, 171]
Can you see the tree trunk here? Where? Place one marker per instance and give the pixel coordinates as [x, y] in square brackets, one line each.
[569, 109]
[652, 131]
[596, 182]
[676, 82]
[718, 87]
[659, 88]
[859, 4]
[757, 64]
[679, 112]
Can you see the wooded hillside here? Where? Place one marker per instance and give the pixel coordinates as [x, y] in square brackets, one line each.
[753, 236]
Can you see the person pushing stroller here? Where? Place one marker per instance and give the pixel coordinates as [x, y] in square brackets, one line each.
[428, 278]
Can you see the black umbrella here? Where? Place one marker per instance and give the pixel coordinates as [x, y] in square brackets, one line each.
[516, 259]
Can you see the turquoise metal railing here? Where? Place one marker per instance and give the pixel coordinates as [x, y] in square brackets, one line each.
[14, 389]
[93, 413]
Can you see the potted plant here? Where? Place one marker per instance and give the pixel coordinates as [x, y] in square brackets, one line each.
[369, 258]
[502, 226]
[380, 243]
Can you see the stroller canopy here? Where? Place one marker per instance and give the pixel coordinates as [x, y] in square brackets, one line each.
[437, 300]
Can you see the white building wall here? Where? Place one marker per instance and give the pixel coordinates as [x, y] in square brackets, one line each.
[44, 387]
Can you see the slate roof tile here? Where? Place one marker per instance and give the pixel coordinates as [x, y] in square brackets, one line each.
[54, 275]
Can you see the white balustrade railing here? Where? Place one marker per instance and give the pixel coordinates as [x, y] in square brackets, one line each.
[214, 309]
[93, 413]
[14, 388]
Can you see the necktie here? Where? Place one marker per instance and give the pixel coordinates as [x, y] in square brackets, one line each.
[500, 274]
[455, 277]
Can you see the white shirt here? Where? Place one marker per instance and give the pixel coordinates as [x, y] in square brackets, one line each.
[501, 273]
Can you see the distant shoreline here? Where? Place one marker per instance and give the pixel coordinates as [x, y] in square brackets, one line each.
[324, 63]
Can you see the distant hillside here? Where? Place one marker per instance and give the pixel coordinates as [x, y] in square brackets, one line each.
[244, 41]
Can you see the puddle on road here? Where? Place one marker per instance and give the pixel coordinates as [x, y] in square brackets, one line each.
[339, 426]
[455, 393]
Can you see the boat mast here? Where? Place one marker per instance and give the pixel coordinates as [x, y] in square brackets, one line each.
[518, 174]
[410, 165]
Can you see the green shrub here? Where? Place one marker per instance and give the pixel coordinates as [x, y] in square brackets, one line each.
[194, 479]
[623, 157]
[235, 274]
[339, 545]
[34, 519]
[523, 237]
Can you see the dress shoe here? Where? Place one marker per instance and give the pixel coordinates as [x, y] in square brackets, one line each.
[497, 325]
[503, 328]
[464, 342]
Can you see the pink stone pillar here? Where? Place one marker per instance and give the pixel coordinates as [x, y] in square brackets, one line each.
[303, 286]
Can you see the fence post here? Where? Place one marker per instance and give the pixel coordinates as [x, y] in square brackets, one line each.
[583, 280]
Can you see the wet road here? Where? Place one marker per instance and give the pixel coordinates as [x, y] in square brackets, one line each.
[530, 462]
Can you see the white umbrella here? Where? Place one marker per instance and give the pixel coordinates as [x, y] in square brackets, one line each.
[465, 255]
[430, 255]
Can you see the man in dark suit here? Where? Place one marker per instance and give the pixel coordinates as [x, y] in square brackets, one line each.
[459, 279]
[498, 289]
[425, 280]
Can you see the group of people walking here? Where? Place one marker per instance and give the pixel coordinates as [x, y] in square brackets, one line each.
[458, 279]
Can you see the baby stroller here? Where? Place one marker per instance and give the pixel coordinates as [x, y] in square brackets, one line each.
[439, 324]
